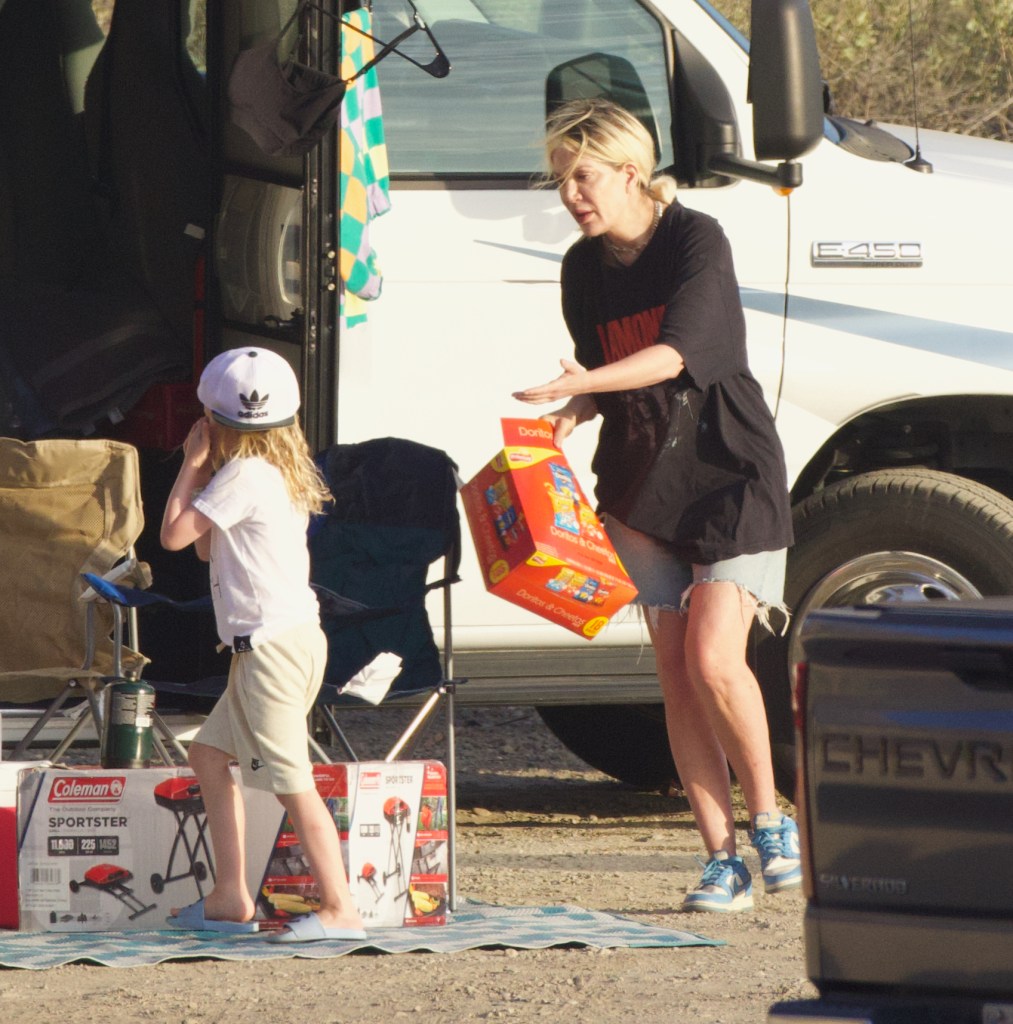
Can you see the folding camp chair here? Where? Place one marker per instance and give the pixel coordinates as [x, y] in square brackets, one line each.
[66, 507]
[393, 516]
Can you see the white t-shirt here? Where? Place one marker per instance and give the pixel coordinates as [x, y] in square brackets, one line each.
[260, 565]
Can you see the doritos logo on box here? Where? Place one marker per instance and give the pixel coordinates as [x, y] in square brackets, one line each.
[539, 542]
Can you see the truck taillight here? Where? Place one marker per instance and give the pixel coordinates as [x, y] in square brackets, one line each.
[799, 693]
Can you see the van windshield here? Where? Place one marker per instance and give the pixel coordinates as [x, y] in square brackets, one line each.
[487, 116]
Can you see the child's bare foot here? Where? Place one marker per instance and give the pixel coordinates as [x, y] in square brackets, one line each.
[221, 908]
[335, 926]
[348, 920]
[196, 917]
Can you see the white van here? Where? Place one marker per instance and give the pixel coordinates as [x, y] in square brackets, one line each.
[877, 294]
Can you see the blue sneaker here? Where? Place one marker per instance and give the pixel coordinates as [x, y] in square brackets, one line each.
[725, 886]
[775, 838]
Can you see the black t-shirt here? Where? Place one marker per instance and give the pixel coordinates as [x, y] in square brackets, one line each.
[694, 461]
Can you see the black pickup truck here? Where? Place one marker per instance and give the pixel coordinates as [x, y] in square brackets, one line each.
[904, 719]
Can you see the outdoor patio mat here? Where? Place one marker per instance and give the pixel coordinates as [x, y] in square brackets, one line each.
[472, 926]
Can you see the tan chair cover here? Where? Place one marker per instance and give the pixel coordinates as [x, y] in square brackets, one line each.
[66, 507]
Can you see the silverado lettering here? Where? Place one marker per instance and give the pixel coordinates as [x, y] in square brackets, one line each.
[861, 885]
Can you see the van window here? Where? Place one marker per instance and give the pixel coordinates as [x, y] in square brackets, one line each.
[487, 116]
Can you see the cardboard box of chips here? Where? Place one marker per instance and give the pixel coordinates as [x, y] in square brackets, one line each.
[538, 540]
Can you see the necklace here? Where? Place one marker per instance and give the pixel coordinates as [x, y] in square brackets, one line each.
[624, 252]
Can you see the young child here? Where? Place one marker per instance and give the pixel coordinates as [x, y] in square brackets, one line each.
[242, 498]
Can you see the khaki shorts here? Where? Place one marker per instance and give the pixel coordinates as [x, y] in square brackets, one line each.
[260, 720]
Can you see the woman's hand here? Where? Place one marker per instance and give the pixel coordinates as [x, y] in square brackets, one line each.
[572, 381]
[562, 422]
[649, 366]
[579, 409]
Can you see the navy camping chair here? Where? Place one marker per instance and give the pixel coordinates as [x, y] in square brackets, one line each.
[394, 515]
[393, 519]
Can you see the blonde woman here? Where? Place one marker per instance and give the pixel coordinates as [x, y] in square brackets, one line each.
[242, 498]
[690, 473]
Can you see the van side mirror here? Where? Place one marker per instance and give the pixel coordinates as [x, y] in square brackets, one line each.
[785, 84]
[786, 91]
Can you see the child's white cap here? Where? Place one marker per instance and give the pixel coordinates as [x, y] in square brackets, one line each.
[250, 389]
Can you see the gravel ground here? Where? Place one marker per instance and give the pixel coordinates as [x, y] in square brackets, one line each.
[535, 826]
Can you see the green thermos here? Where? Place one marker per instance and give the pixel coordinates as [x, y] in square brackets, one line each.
[126, 724]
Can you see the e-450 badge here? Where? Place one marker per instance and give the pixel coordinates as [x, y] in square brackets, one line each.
[866, 254]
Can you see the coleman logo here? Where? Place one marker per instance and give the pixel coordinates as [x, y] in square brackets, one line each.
[369, 780]
[93, 790]
[253, 406]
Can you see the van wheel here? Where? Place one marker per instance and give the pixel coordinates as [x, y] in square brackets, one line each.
[627, 741]
[880, 538]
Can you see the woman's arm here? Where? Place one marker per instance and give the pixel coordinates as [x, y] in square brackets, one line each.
[182, 524]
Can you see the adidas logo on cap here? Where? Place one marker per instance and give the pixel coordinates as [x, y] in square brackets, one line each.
[250, 389]
[254, 405]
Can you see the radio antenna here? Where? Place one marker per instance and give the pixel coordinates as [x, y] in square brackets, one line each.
[916, 163]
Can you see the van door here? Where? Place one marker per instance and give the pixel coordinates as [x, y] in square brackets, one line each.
[259, 240]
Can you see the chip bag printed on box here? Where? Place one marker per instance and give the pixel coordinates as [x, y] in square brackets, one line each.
[538, 540]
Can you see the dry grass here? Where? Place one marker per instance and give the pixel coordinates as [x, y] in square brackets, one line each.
[953, 57]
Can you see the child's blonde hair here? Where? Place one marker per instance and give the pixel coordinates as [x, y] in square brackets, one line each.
[606, 132]
[286, 449]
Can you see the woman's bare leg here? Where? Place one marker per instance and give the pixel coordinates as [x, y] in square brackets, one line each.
[718, 624]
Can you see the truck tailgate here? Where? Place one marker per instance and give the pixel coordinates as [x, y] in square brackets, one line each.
[908, 793]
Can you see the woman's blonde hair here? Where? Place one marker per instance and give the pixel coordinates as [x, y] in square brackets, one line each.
[286, 449]
[610, 134]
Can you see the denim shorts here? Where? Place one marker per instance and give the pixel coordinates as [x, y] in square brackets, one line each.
[665, 582]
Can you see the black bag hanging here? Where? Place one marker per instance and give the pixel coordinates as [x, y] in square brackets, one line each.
[284, 106]
[287, 107]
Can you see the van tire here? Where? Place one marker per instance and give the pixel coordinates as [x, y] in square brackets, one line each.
[884, 536]
[627, 741]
